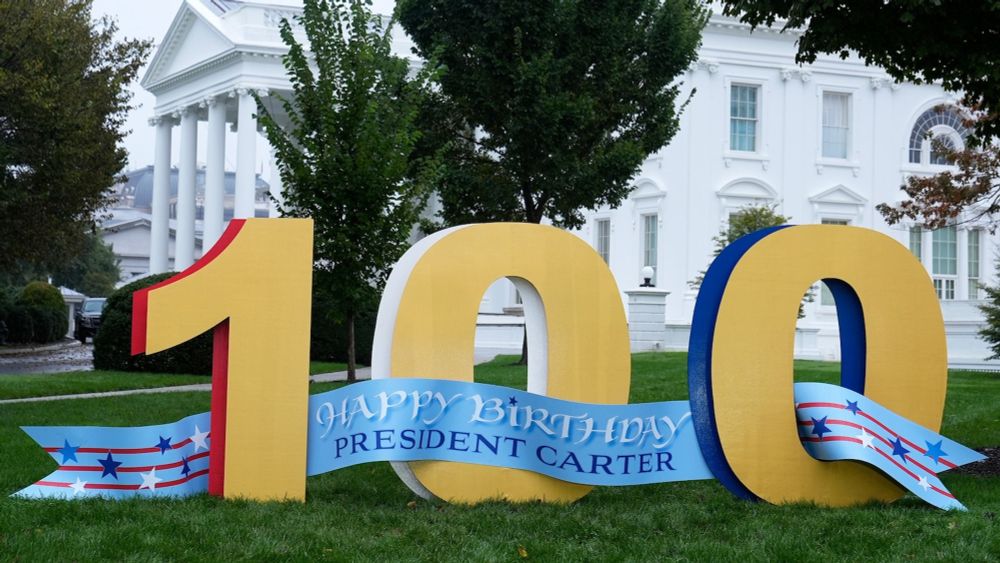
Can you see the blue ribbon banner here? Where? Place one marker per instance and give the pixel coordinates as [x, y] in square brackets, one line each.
[432, 419]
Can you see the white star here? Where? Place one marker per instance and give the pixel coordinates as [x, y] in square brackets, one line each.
[923, 483]
[149, 480]
[78, 486]
[199, 439]
[866, 439]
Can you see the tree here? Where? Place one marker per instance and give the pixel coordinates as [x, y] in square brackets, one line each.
[549, 107]
[952, 42]
[916, 40]
[990, 332]
[94, 272]
[749, 219]
[346, 159]
[63, 104]
[968, 193]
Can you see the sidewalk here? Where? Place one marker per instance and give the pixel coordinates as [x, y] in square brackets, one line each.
[481, 356]
[363, 374]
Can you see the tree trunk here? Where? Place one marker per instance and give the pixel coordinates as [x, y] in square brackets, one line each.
[524, 348]
[352, 375]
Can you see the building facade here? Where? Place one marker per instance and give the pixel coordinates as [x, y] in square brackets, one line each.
[823, 143]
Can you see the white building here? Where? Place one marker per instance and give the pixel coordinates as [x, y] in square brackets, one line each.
[825, 143]
[129, 228]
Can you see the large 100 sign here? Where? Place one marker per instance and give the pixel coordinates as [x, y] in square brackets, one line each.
[747, 423]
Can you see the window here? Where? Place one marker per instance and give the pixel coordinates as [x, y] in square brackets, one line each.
[825, 295]
[938, 122]
[917, 242]
[743, 115]
[649, 236]
[974, 264]
[944, 263]
[603, 242]
[836, 124]
[938, 156]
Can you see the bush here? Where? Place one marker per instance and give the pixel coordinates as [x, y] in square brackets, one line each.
[48, 325]
[113, 342]
[20, 327]
[42, 295]
[38, 314]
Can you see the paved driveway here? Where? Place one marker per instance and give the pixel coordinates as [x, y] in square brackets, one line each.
[72, 358]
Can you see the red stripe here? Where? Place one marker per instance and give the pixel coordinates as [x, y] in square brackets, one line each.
[52, 484]
[183, 480]
[943, 492]
[140, 299]
[134, 469]
[120, 487]
[875, 434]
[830, 439]
[817, 405]
[943, 461]
[220, 393]
[899, 465]
[885, 455]
[123, 451]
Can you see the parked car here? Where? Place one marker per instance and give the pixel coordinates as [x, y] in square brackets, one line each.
[88, 319]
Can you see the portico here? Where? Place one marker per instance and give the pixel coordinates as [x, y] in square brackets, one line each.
[213, 113]
[217, 59]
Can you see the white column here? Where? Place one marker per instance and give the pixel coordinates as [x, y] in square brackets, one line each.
[159, 262]
[962, 283]
[215, 173]
[246, 157]
[186, 190]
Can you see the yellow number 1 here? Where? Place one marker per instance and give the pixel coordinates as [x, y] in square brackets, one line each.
[254, 289]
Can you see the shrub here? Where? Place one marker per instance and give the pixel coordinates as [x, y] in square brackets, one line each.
[38, 315]
[113, 342]
[43, 295]
[20, 327]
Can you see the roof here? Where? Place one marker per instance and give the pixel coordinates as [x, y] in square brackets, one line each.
[139, 183]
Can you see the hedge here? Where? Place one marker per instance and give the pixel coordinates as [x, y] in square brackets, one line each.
[113, 342]
[37, 315]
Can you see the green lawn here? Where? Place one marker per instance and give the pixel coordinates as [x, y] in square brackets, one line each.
[366, 513]
[73, 383]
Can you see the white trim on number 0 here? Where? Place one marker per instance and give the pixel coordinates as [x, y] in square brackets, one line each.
[536, 326]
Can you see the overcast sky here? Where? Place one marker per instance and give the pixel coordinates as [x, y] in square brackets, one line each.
[150, 19]
[146, 19]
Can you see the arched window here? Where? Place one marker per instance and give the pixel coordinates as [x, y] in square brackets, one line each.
[937, 123]
[943, 141]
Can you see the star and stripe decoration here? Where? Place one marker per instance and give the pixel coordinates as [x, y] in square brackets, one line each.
[167, 460]
[835, 424]
[838, 424]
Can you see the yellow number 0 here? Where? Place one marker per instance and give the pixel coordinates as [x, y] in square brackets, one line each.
[577, 336]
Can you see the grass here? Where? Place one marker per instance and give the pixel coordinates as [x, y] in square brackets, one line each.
[366, 513]
[326, 367]
[79, 382]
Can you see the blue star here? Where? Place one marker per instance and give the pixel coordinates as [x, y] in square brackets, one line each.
[898, 449]
[934, 451]
[110, 466]
[820, 427]
[512, 401]
[68, 452]
[853, 407]
[164, 445]
[186, 469]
